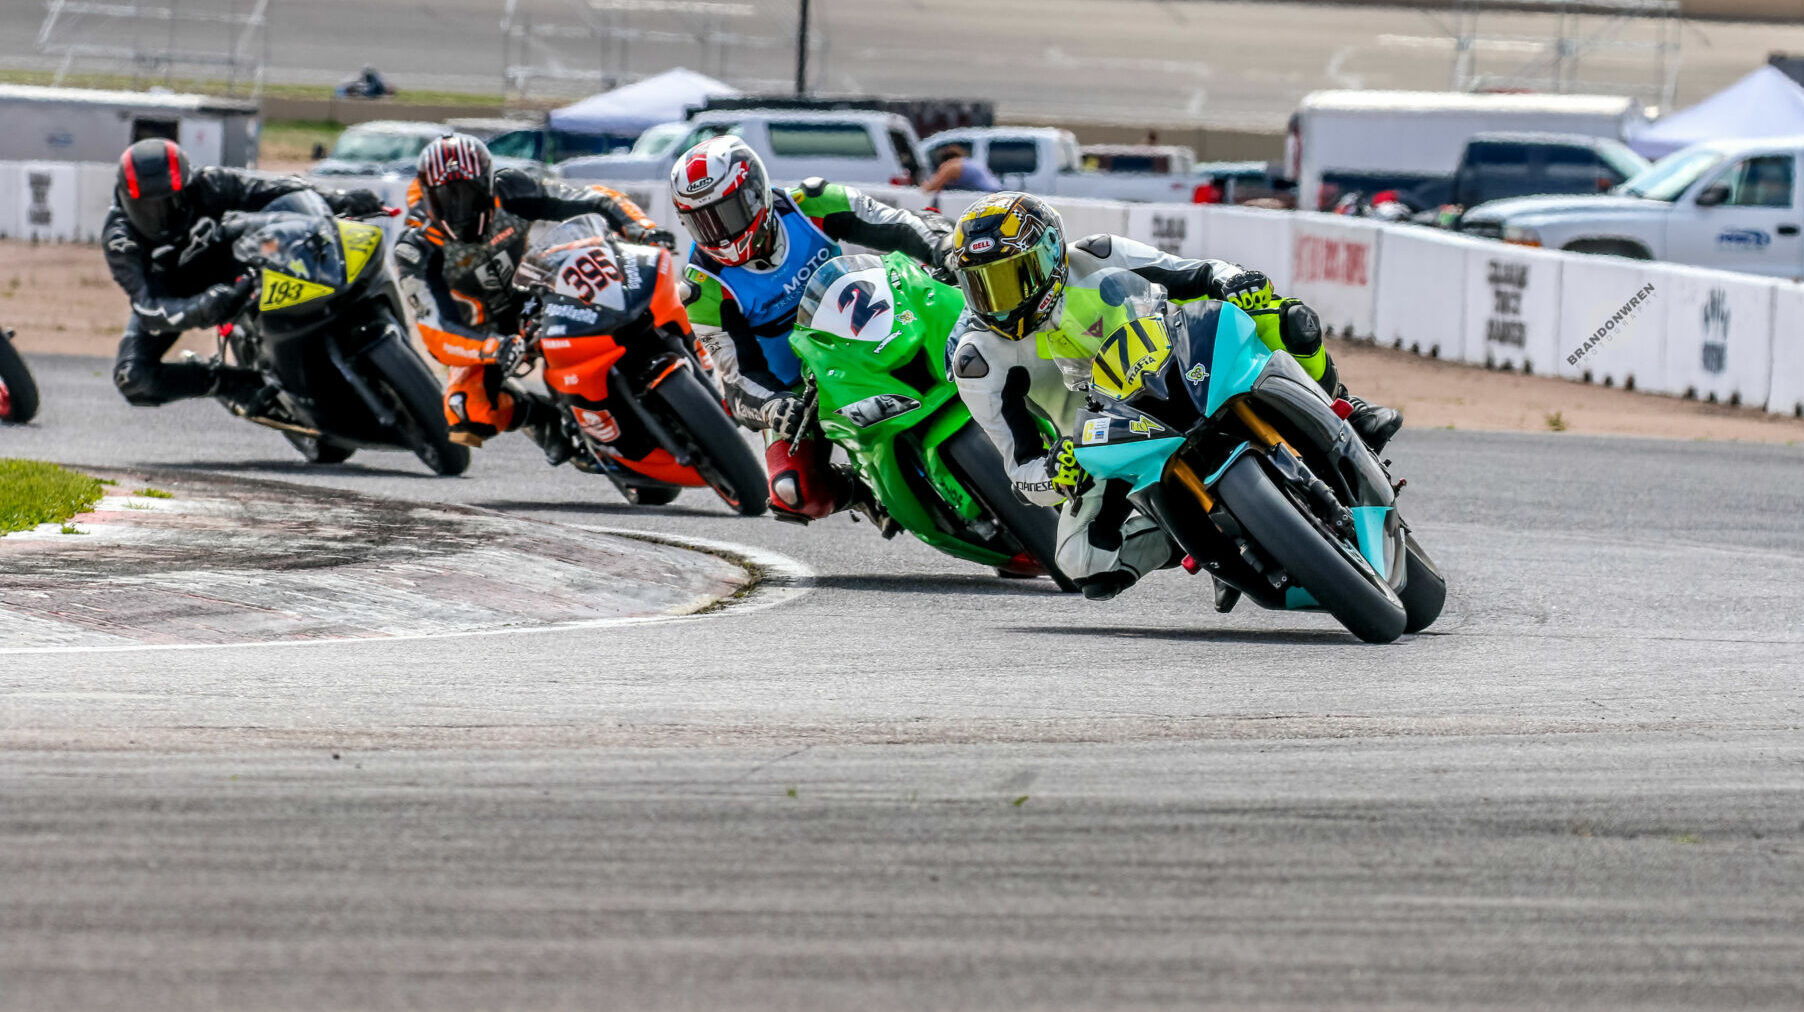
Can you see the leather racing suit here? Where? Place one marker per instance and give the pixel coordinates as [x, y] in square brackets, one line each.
[743, 316]
[463, 297]
[192, 283]
[1010, 385]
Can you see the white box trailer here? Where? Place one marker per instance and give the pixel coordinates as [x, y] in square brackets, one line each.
[87, 125]
[1391, 137]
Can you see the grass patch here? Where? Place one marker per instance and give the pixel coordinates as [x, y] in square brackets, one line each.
[154, 493]
[292, 140]
[33, 492]
[1556, 422]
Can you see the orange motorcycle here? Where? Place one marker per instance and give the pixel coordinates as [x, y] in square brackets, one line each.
[623, 367]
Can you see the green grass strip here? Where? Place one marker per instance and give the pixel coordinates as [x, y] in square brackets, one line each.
[33, 492]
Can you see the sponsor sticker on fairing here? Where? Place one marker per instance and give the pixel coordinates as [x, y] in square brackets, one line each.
[1096, 430]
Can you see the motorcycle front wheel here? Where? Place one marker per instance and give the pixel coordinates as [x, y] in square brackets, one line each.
[1301, 546]
[725, 461]
[409, 387]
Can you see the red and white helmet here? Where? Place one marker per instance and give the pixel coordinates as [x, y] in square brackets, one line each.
[722, 195]
[457, 184]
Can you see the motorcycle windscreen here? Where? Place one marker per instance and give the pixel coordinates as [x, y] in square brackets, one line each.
[300, 257]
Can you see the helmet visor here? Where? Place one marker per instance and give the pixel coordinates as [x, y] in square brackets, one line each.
[459, 206]
[729, 218]
[156, 217]
[999, 288]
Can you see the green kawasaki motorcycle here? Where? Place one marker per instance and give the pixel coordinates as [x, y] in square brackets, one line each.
[870, 334]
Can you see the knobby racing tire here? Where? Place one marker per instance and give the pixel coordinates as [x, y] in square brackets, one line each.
[419, 413]
[19, 398]
[1280, 529]
[1424, 589]
[319, 451]
[724, 460]
[979, 467]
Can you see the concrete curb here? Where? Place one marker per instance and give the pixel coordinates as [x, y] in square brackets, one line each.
[234, 561]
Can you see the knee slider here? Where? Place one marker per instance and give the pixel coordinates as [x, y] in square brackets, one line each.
[137, 381]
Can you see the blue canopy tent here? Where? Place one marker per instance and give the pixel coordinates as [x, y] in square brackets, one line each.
[628, 111]
[1765, 103]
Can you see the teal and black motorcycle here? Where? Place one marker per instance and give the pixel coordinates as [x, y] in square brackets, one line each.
[1248, 465]
[870, 334]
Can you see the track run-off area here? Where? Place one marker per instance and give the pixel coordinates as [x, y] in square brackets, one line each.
[890, 780]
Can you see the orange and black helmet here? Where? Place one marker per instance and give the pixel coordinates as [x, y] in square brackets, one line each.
[153, 188]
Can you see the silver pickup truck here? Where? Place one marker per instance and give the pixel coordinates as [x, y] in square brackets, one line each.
[1732, 205]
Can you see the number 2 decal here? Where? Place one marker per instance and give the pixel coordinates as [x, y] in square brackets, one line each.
[857, 297]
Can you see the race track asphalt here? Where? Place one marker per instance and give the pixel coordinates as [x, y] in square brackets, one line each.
[914, 786]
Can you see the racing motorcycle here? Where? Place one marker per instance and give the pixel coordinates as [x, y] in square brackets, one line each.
[620, 362]
[1247, 464]
[328, 332]
[18, 391]
[869, 335]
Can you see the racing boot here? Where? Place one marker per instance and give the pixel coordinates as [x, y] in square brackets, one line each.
[242, 390]
[802, 487]
[544, 425]
[1375, 423]
[859, 498]
[1226, 597]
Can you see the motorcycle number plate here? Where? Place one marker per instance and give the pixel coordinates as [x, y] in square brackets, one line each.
[1129, 355]
[281, 291]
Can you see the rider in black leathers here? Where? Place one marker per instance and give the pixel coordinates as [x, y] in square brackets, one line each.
[164, 247]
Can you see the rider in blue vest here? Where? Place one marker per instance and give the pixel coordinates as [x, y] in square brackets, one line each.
[755, 250]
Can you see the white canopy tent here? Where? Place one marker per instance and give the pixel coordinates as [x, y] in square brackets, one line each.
[1766, 103]
[629, 110]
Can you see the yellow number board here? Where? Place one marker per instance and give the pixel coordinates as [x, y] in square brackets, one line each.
[280, 291]
[360, 242]
[1124, 360]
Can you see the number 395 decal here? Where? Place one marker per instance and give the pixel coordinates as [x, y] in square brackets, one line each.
[588, 275]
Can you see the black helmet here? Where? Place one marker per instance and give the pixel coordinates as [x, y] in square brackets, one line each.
[1008, 253]
[457, 184]
[152, 188]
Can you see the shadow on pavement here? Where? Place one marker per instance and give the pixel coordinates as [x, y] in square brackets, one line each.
[289, 467]
[1274, 637]
[932, 584]
[612, 509]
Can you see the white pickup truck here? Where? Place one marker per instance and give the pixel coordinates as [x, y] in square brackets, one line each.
[1045, 161]
[1733, 205]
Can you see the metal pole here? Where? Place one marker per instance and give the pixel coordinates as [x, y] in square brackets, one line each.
[802, 52]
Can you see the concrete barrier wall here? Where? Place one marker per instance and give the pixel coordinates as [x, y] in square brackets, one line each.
[1663, 328]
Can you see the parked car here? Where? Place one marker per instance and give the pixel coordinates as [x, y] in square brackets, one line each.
[846, 146]
[1238, 182]
[1410, 139]
[1047, 161]
[1734, 205]
[1501, 165]
[542, 145]
[378, 147]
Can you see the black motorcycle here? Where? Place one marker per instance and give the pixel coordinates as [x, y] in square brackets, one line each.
[327, 330]
[18, 391]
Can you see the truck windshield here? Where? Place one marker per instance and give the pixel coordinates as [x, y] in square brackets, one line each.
[379, 146]
[1670, 176]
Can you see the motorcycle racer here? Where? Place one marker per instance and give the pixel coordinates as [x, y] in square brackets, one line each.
[755, 249]
[469, 225]
[164, 247]
[1024, 347]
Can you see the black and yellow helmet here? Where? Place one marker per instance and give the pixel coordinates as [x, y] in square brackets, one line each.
[1008, 253]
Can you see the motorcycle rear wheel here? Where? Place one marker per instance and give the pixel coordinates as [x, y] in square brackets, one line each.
[980, 469]
[1284, 534]
[725, 461]
[19, 400]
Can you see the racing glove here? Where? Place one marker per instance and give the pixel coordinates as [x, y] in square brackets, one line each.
[507, 352]
[355, 203]
[788, 417]
[1067, 475]
[217, 304]
[1248, 289]
[649, 235]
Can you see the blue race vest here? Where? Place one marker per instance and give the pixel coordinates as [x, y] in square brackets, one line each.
[770, 298]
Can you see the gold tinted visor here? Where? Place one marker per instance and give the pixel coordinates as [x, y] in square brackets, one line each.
[998, 289]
